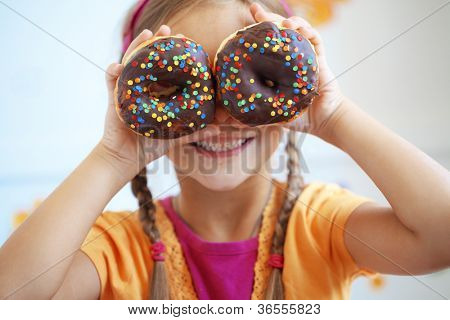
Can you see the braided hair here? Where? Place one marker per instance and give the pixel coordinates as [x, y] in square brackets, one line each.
[295, 184]
[147, 211]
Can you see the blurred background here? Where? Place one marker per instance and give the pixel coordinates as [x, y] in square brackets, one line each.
[53, 99]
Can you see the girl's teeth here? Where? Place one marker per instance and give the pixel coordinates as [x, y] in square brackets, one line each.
[219, 147]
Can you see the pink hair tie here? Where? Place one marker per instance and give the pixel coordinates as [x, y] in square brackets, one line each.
[128, 32]
[276, 260]
[157, 249]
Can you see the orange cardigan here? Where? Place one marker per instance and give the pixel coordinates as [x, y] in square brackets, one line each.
[317, 264]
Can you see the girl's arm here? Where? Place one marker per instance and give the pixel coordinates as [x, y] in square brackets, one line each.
[41, 259]
[412, 236]
[35, 259]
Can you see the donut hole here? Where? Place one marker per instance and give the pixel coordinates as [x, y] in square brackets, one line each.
[161, 89]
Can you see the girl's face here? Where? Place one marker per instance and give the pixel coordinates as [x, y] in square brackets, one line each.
[224, 161]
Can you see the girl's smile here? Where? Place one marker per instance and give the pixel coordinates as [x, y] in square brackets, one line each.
[223, 149]
[222, 146]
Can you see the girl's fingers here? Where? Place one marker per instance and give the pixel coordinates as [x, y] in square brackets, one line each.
[260, 14]
[255, 10]
[314, 37]
[143, 36]
[295, 23]
[163, 31]
[300, 22]
[305, 28]
[112, 73]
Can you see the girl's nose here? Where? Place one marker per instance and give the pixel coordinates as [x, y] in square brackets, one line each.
[222, 117]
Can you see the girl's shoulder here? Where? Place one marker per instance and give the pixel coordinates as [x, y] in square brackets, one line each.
[118, 247]
[321, 199]
[328, 196]
[315, 237]
[122, 226]
[321, 211]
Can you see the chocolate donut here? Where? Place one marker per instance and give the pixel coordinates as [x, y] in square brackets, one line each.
[266, 74]
[166, 88]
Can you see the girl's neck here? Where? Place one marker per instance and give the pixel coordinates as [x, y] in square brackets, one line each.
[223, 216]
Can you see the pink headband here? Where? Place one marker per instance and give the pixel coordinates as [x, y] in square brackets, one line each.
[286, 8]
[128, 34]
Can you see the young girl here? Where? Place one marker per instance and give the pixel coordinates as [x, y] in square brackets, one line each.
[232, 232]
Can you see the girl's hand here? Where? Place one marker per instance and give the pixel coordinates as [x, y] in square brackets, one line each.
[127, 151]
[330, 97]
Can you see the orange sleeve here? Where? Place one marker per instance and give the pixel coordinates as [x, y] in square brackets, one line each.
[326, 209]
[118, 248]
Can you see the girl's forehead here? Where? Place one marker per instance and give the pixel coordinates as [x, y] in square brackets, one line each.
[210, 25]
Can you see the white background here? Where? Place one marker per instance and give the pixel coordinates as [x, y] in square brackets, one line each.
[368, 310]
[53, 101]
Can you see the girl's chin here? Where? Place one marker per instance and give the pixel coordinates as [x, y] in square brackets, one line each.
[221, 182]
[221, 150]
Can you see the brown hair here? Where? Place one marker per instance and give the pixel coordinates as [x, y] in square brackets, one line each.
[152, 17]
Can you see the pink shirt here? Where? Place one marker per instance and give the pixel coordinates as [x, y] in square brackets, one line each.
[219, 270]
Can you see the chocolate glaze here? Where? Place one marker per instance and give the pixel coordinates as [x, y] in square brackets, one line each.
[258, 54]
[181, 68]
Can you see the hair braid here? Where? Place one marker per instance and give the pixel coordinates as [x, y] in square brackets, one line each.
[295, 184]
[159, 289]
